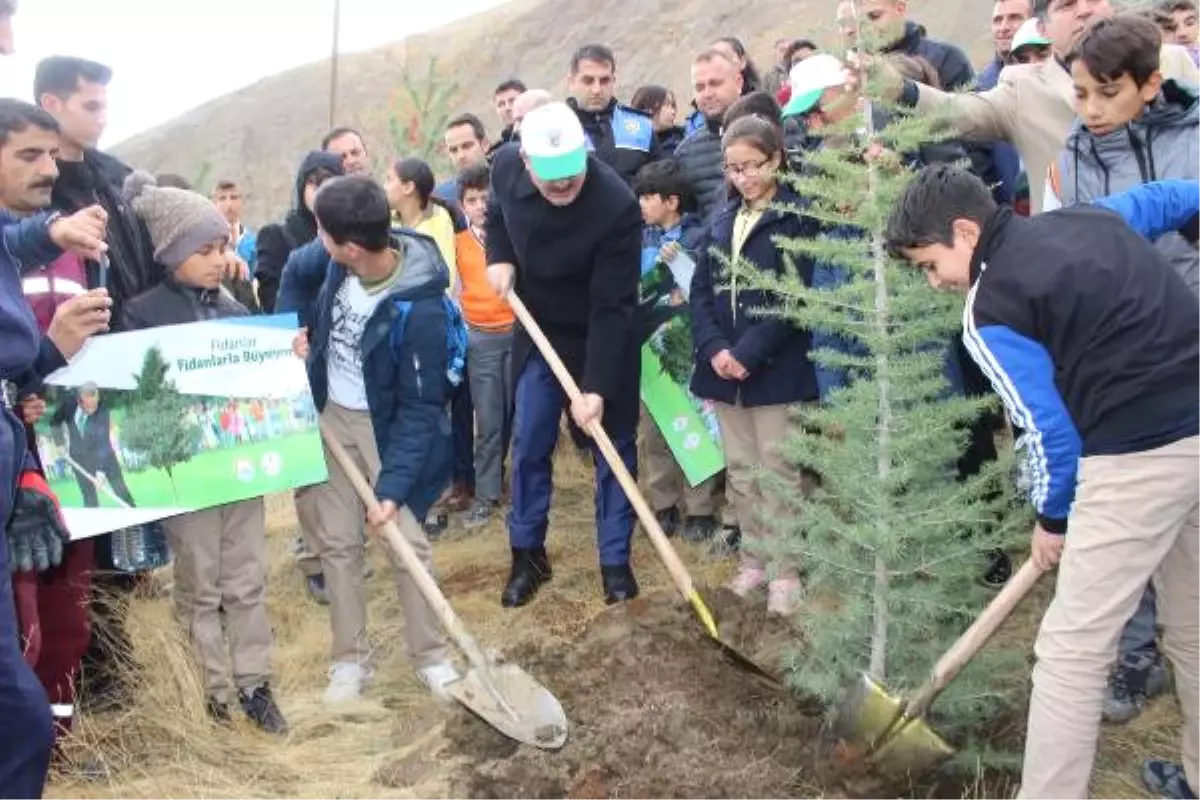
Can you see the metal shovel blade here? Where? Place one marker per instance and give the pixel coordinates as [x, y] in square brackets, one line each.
[519, 707]
[869, 726]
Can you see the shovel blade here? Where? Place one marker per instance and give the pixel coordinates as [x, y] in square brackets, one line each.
[866, 713]
[533, 715]
[910, 751]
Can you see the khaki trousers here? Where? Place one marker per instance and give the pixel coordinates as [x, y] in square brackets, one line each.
[666, 487]
[305, 500]
[751, 438]
[339, 546]
[221, 563]
[1134, 519]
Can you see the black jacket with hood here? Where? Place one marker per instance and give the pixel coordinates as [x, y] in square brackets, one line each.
[277, 240]
[98, 179]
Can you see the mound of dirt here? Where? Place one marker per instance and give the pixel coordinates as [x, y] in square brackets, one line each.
[655, 710]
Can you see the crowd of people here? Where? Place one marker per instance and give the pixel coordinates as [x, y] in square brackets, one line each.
[421, 371]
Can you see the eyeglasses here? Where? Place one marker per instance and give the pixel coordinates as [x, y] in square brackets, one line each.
[750, 170]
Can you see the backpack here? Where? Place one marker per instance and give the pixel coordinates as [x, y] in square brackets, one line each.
[456, 337]
[49, 286]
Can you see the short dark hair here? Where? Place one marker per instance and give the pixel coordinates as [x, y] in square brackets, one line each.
[755, 104]
[1127, 44]
[477, 176]
[338, 133]
[797, 45]
[172, 180]
[61, 76]
[1171, 6]
[665, 178]
[17, 116]
[762, 134]
[927, 208]
[511, 85]
[650, 98]
[593, 52]
[226, 185]
[414, 170]
[354, 209]
[469, 119]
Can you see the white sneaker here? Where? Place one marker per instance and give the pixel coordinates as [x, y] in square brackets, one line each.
[436, 676]
[346, 679]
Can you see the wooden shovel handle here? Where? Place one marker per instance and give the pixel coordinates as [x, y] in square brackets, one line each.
[679, 573]
[395, 539]
[975, 637]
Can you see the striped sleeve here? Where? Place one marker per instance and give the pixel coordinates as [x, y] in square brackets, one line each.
[1022, 373]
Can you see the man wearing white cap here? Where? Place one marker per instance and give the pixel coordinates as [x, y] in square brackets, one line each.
[566, 231]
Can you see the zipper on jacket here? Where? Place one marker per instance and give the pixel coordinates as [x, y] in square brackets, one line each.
[1136, 145]
[417, 367]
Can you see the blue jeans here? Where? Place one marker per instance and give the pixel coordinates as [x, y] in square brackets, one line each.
[540, 403]
[1139, 639]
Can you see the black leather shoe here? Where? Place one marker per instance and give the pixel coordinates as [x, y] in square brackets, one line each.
[619, 584]
[700, 529]
[260, 706]
[668, 520]
[530, 569]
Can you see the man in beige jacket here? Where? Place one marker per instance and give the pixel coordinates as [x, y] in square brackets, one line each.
[1033, 105]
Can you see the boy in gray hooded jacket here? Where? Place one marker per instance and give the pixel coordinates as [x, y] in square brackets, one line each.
[1132, 128]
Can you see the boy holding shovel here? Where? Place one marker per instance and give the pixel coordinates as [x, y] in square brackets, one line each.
[1093, 348]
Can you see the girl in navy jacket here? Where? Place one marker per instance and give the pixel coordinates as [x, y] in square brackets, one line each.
[750, 364]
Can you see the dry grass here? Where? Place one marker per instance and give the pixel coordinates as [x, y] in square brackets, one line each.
[384, 745]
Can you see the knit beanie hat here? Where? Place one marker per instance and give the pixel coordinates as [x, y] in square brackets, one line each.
[180, 222]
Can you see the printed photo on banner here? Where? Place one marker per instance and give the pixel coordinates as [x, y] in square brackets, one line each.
[150, 424]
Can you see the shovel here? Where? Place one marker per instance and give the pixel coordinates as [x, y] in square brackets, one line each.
[892, 735]
[502, 695]
[679, 573]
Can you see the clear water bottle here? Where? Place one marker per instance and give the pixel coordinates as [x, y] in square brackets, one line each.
[140, 548]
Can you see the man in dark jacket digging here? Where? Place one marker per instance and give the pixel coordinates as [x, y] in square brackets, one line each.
[578, 276]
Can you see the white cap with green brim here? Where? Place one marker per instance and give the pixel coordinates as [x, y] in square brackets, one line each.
[809, 79]
[553, 140]
[1030, 33]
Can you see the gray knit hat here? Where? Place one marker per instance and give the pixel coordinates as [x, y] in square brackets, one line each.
[180, 222]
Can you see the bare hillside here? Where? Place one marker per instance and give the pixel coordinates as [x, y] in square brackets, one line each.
[258, 134]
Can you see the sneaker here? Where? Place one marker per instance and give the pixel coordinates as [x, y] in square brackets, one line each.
[217, 711]
[437, 676]
[481, 513]
[260, 707]
[346, 679]
[700, 529]
[784, 596]
[1136, 678]
[668, 520]
[435, 525]
[316, 588]
[727, 543]
[1166, 779]
[748, 579]
[998, 571]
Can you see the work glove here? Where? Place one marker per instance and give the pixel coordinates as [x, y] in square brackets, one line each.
[36, 533]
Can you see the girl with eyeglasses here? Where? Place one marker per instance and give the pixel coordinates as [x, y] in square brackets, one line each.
[750, 364]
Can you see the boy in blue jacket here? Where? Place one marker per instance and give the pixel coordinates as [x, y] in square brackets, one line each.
[671, 231]
[378, 360]
[1091, 340]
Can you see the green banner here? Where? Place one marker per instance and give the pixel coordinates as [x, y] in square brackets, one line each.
[689, 428]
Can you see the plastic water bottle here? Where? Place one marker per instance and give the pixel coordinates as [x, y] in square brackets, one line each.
[140, 548]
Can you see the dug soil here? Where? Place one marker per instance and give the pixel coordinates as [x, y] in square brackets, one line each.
[656, 710]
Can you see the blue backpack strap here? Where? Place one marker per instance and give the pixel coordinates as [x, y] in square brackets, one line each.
[456, 337]
[632, 130]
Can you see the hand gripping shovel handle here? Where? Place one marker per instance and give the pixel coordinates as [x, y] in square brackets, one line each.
[679, 573]
[973, 640]
[400, 546]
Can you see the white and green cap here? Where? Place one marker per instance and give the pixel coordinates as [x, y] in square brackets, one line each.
[1030, 33]
[554, 142]
[809, 79]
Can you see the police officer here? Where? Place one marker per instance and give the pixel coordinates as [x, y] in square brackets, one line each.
[567, 230]
[621, 137]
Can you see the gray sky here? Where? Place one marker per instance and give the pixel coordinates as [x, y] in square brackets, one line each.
[172, 55]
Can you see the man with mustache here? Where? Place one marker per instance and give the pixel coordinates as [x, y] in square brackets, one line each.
[567, 231]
